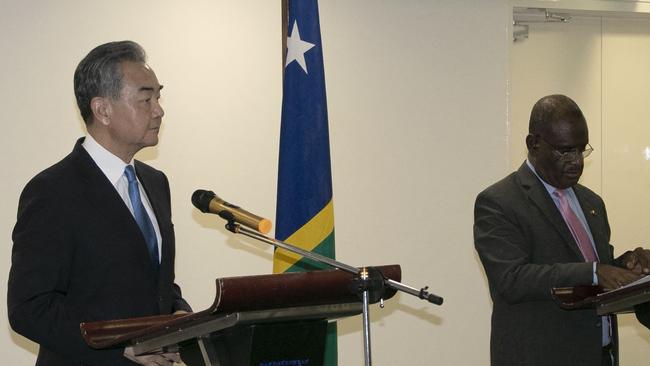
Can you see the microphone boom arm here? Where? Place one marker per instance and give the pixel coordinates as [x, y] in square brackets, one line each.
[421, 293]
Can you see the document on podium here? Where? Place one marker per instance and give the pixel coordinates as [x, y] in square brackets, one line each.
[620, 300]
[640, 281]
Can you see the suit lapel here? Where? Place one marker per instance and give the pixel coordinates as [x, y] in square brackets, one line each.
[538, 194]
[100, 192]
[152, 190]
[102, 196]
[592, 213]
[156, 196]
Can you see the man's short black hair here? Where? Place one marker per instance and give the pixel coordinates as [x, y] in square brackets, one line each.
[550, 109]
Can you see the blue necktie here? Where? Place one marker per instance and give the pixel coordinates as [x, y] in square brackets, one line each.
[141, 216]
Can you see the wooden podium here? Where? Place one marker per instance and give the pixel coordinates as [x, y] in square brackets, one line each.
[621, 300]
[273, 319]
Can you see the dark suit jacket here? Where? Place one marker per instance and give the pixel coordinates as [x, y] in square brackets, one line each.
[527, 249]
[78, 255]
[643, 313]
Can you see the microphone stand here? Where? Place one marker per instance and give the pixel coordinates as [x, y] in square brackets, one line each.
[367, 281]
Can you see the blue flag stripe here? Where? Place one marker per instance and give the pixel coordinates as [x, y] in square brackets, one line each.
[304, 174]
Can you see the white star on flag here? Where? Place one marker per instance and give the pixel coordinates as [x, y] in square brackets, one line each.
[296, 48]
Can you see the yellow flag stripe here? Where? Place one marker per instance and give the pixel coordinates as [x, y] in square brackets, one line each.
[307, 237]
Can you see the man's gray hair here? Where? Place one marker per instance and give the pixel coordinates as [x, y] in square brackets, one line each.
[99, 73]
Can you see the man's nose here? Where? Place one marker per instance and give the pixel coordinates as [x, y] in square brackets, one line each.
[158, 110]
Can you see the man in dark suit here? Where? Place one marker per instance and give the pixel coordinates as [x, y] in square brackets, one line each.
[537, 229]
[643, 313]
[94, 238]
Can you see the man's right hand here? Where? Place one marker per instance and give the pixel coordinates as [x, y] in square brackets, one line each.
[611, 277]
[157, 359]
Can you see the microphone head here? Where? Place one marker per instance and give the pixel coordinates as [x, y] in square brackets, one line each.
[201, 199]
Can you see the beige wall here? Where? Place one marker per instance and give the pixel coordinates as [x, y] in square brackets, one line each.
[626, 149]
[417, 94]
[562, 58]
[417, 105]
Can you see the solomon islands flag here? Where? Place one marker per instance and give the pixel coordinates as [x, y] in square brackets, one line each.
[304, 213]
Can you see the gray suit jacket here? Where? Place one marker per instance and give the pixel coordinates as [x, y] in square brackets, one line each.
[526, 249]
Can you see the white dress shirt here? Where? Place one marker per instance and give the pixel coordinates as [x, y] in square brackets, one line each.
[113, 169]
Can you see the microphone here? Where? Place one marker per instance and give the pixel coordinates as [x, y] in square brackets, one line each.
[208, 202]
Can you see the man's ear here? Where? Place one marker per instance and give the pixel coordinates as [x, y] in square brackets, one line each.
[532, 143]
[102, 109]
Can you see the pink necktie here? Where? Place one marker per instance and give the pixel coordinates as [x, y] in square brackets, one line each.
[577, 228]
[584, 243]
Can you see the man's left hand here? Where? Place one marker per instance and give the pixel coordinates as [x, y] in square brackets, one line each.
[637, 261]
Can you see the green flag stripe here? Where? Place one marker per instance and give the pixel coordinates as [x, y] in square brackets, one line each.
[325, 248]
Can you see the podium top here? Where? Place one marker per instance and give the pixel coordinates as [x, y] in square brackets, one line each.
[240, 295]
[621, 300]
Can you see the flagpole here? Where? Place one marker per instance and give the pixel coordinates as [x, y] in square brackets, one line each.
[285, 30]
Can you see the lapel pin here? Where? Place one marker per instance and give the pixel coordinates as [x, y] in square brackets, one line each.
[592, 212]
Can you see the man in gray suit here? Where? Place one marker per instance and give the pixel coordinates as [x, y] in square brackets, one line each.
[537, 229]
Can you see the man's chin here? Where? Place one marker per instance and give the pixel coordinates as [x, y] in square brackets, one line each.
[151, 141]
[568, 183]
[148, 143]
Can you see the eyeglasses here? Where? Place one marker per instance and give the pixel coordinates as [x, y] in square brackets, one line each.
[569, 154]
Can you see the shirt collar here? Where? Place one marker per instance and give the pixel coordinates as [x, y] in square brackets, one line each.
[108, 163]
[549, 188]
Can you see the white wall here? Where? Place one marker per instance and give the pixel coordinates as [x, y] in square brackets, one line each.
[417, 105]
[626, 141]
[558, 58]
